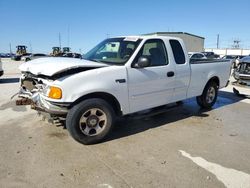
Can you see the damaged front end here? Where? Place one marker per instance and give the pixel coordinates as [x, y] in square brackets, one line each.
[38, 82]
[242, 77]
[34, 90]
[242, 73]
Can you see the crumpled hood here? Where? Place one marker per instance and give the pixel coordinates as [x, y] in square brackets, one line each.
[245, 59]
[52, 65]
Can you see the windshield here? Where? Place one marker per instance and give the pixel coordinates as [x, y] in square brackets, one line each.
[115, 51]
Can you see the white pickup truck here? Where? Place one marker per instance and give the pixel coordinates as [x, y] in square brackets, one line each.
[119, 76]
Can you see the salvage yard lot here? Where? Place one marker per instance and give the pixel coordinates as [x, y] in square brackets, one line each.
[182, 147]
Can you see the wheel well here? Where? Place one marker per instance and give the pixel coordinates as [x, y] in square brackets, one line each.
[214, 79]
[102, 95]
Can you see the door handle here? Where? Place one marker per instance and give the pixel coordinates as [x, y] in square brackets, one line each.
[170, 74]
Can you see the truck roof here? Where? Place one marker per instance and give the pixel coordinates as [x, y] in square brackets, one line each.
[134, 37]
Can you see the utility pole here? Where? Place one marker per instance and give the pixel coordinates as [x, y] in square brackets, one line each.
[68, 37]
[10, 48]
[59, 37]
[218, 41]
[30, 47]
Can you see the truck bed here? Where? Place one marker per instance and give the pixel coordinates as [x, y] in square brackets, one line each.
[203, 70]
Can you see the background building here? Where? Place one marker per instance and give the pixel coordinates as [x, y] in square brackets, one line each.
[193, 43]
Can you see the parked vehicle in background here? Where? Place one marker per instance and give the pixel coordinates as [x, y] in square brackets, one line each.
[6, 55]
[21, 51]
[242, 72]
[66, 49]
[120, 76]
[238, 59]
[231, 58]
[242, 76]
[23, 57]
[1, 68]
[73, 55]
[33, 56]
[9, 55]
[211, 55]
[56, 51]
[235, 59]
[3, 55]
[196, 55]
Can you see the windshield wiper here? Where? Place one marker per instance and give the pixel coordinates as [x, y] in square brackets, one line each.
[98, 61]
[105, 62]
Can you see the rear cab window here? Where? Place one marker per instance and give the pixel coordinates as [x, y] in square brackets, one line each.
[178, 52]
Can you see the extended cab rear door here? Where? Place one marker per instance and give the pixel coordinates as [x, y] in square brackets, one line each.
[153, 85]
[182, 72]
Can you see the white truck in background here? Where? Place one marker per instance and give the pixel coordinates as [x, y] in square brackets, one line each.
[119, 76]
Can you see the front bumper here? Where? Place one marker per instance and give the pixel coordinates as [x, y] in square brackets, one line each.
[38, 102]
[1, 73]
[241, 89]
[244, 78]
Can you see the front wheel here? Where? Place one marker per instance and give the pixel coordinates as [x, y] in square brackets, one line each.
[90, 121]
[209, 95]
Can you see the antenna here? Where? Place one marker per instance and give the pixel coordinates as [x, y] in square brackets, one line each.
[30, 47]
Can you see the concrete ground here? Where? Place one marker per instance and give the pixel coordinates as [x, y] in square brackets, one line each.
[182, 147]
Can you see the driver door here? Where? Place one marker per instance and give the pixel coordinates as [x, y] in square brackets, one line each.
[153, 85]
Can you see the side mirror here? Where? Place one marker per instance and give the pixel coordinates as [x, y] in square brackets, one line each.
[143, 62]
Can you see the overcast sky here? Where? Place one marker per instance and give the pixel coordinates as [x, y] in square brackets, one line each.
[82, 24]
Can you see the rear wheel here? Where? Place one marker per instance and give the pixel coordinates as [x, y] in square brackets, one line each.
[90, 121]
[209, 95]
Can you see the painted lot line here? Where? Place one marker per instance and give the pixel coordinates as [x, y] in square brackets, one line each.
[231, 178]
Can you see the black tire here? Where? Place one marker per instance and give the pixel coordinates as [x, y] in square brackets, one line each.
[179, 102]
[27, 59]
[205, 101]
[80, 131]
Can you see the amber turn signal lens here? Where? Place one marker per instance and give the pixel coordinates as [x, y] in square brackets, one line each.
[55, 93]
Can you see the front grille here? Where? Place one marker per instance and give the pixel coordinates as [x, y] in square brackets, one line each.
[28, 84]
[244, 68]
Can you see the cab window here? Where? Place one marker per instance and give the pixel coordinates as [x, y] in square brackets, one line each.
[178, 52]
[155, 51]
